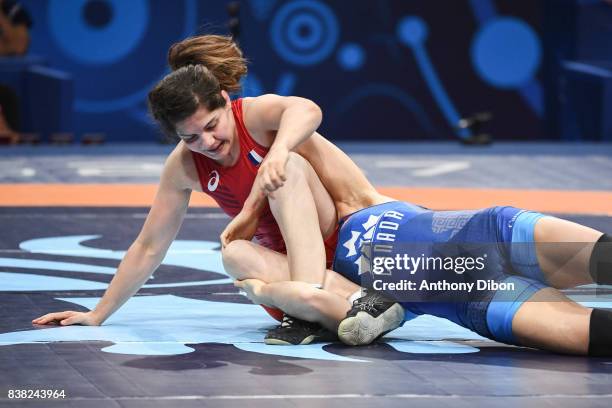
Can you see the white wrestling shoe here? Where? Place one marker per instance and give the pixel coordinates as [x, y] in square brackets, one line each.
[372, 316]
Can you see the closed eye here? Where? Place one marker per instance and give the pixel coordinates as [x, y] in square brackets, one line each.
[190, 139]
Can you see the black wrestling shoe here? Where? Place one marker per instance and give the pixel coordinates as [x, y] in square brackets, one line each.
[372, 316]
[293, 331]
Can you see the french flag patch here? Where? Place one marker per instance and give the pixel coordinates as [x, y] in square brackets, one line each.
[255, 158]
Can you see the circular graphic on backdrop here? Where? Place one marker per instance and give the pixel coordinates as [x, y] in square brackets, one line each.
[506, 52]
[98, 31]
[351, 56]
[98, 13]
[304, 32]
[412, 31]
[118, 80]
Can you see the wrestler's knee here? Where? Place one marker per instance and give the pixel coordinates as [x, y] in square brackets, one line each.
[295, 180]
[296, 166]
[295, 159]
[233, 258]
[549, 321]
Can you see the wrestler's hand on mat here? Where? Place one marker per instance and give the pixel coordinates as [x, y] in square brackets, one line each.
[272, 169]
[242, 226]
[252, 288]
[68, 318]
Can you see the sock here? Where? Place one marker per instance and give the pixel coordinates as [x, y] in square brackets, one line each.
[356, 295]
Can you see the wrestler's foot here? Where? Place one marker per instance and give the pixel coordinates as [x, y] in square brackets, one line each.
[372, 316]
[293, 331]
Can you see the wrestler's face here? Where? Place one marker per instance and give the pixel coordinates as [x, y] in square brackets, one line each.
[211, 133]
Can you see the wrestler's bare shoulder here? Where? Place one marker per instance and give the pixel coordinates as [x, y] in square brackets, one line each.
[181, 170]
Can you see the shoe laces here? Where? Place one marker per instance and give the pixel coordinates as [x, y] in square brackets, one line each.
[287, 321]
[292, 322]
[368, 303]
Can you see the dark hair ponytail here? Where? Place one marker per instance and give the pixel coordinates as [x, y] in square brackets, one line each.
[220, 54]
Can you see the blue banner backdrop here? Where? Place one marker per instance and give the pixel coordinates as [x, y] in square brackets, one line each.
[403, 70]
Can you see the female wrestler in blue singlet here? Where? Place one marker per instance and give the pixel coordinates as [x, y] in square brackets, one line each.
[529, 256]
[455, 261]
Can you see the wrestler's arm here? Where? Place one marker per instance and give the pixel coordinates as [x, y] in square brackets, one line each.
[244, 225]
[283, 123]
[146, 252]
[289, 124]
[343, 179]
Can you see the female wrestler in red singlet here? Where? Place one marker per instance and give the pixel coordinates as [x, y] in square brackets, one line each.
[224, 148]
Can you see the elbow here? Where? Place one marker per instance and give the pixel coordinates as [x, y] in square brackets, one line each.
[317, 114]
[147, 251]
[306, 110]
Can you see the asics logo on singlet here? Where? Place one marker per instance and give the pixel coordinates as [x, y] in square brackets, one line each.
[213, 182]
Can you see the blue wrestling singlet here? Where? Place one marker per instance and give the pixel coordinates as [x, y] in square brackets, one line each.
[409, 237]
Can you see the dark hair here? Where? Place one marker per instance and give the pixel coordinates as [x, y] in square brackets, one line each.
[202, 66]
[179, 95]
[220, 54]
